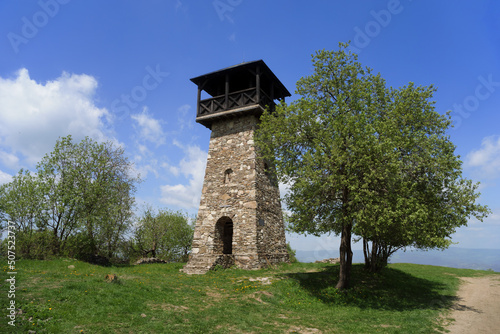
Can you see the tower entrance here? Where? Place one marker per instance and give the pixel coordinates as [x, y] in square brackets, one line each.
[223, 242]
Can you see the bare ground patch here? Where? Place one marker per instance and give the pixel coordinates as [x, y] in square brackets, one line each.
[257, 296]
[477, 307]
[303, 330]
[168, 307]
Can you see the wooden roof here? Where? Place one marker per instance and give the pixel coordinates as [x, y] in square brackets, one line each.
[240, 77]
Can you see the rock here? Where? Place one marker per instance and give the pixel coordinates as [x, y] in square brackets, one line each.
[331, 261]
[71, 267]
[263, 280]
[225, 197]
[250, 205]
[146, 260]
[111, 278]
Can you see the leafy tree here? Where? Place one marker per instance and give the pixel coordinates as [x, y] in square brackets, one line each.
[83, 188]
[164, 234]
[17, 203]
[422, 198]
[356, 156]
[20, 203]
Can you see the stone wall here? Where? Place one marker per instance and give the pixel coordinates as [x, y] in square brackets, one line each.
[239, 189]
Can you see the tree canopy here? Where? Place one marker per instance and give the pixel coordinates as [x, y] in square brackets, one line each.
[364, 158]
[164, 234]
[81, 197]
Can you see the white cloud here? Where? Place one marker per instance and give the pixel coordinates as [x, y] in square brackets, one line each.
[143, 149]
[487, 158]
[192, 166]
[144, 169]
[493, 218]
[284, 189]
[184, 117]
[5, 178]
[172, 169]
[9, 160]
[33, 115]
[149, 129]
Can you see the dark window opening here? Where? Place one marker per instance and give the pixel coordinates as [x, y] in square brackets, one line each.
[228, 174]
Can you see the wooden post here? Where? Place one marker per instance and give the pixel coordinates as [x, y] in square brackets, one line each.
[198, 104]
[226, 93]
[257, 83]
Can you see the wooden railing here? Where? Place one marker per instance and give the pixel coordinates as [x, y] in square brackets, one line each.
[234, 100]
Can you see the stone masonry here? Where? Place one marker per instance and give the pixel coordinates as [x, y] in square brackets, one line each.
[239, 220]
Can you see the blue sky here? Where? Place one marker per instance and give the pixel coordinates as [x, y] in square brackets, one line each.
[120, 70]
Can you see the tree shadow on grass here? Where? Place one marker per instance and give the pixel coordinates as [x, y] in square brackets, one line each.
[391, 289]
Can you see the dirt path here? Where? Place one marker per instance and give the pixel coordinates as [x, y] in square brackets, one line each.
[478, 307]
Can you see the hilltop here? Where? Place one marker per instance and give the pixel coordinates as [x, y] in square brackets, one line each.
[66, 295]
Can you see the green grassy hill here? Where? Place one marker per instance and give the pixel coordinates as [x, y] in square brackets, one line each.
[69, 296]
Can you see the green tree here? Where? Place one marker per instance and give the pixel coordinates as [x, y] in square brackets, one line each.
[339, 149]
[20, 203]
[165, 234]
[81, 192]
[422, 197]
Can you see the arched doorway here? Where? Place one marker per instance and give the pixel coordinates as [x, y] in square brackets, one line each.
[223, 242]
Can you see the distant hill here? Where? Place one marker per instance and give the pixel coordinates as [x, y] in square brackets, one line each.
[482, 259]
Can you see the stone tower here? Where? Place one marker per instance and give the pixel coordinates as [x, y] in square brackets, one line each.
[239, 220]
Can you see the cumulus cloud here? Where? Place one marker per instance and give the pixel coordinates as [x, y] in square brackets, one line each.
[4, 177]
[486, 159]
[172, 169]
[192, 167]
[149, 128]
[9, 160]
[33, 115]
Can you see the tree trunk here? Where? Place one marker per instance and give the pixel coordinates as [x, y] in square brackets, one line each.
[366, 253]
[375, 255]
[378, 257]
[345, 257]
[56, 245]
[153, 251]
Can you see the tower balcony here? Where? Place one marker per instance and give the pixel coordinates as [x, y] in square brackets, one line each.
[250, 97]
[244, 89]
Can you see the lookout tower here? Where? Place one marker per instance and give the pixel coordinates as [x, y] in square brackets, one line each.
[239, 220]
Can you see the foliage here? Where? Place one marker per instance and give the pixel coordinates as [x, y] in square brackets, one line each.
[291, 253]
[80, 192]
[361, 158]
[165, 234]
[31, 244]
[157, 298]
[421, 198]
[19, 202]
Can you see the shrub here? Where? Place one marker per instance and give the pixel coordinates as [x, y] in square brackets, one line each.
[291, 253]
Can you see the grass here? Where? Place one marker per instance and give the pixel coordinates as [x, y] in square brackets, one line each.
[157, 298]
